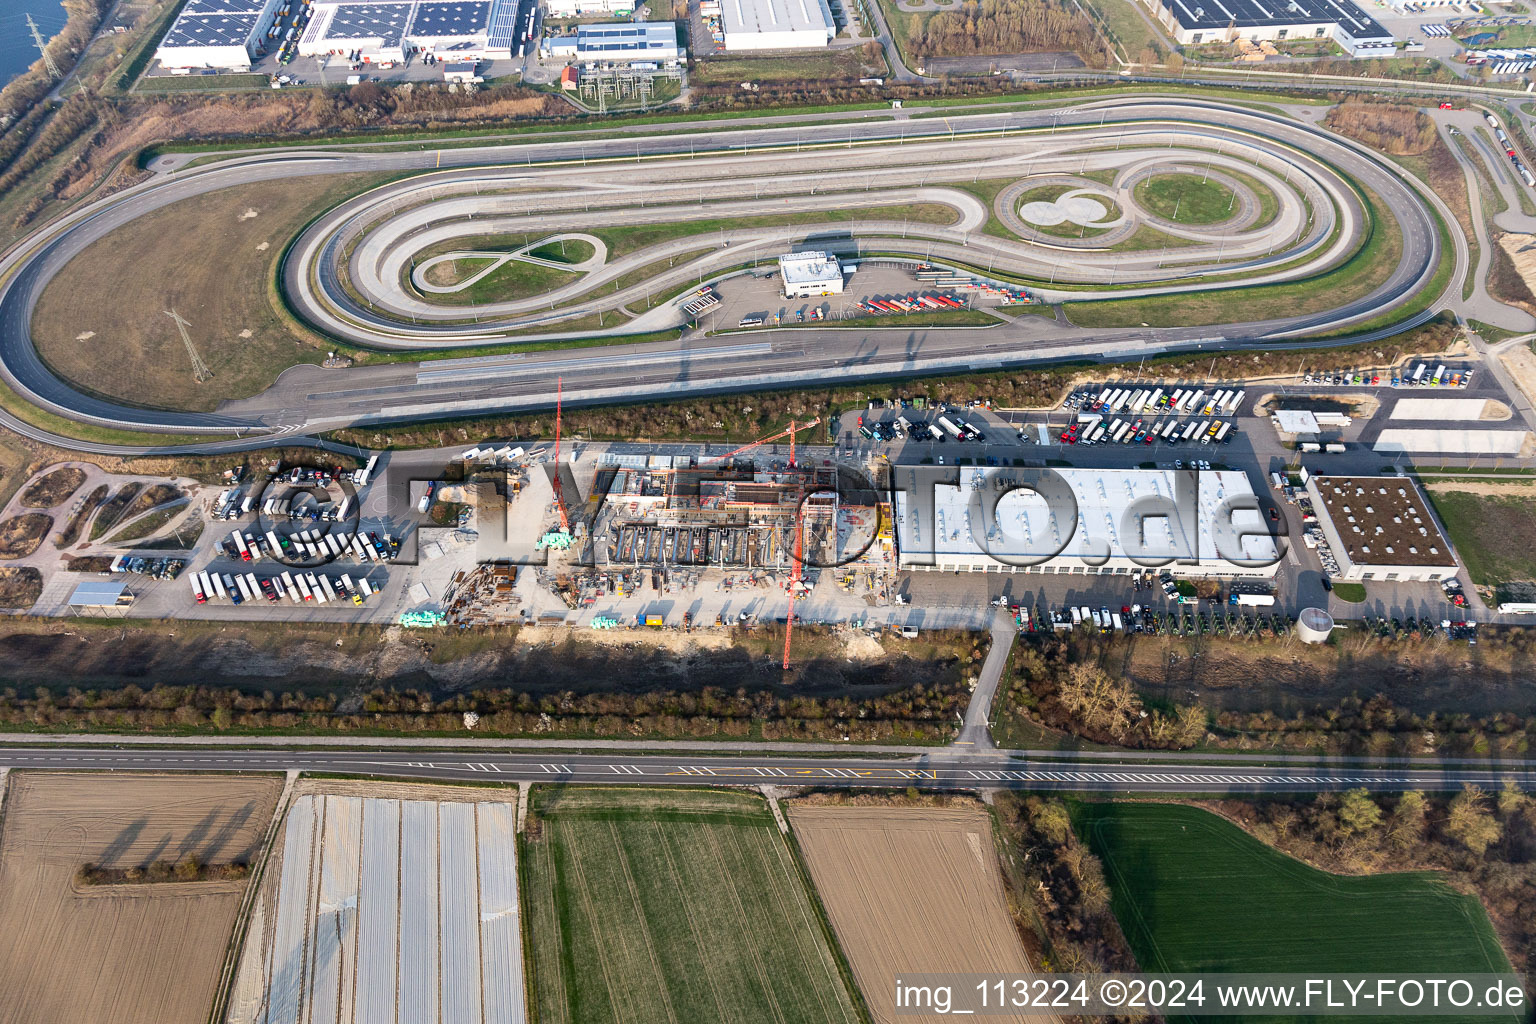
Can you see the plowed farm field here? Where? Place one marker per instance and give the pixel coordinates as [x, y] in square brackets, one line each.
[128, 954]
[911, 890]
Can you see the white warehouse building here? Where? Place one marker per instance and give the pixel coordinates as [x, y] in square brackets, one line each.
[809, 274]
[381, 31]
[217, 34]
[1195, 22]
[1097, 522]
[776, 24]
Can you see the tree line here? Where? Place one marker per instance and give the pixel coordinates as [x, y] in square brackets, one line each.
[983, 27]
[1392, 128]
[1060, 682]
[188, 869]
[922, 713]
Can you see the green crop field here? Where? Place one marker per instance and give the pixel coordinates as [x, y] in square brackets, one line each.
[1195, 893]
[672, 906]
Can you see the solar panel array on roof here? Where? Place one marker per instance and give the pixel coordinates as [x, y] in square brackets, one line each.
[501, 34]
[451, 18]
[385, 22]
[203, 7]
[1219, 14]
[212, 30]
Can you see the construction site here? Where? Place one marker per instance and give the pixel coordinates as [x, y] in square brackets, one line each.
[748, 523]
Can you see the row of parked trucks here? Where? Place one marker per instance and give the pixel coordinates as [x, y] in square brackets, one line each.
[911, 304]
[948, 425]
[1509, 151]
[233, 502]
[1224, 402]
[1441, 377]
[310, 545]
[298, 588]
[1091, 428]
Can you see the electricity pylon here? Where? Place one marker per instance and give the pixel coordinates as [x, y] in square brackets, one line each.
[200, 371]
[42, 48]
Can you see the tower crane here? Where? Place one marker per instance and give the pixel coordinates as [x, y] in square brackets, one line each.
[558, 539]
[565, 521]
[790, 430]
[794, 576]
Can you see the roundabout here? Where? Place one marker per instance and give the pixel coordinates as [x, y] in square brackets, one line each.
[601, 245]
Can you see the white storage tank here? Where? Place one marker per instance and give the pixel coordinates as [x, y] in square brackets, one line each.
[1313, 626]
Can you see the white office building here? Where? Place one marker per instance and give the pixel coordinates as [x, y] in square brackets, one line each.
[809, 274]
[617, 43]
[1087, 522]
[589, 8]
[217, 34]
[776, 24]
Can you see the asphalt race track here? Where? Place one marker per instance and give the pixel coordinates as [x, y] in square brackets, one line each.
[937, 771]
[894, 162]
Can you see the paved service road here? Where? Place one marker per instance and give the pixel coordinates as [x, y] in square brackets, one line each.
[929, 770]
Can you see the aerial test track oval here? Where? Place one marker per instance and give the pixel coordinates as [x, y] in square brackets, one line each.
[755, 168]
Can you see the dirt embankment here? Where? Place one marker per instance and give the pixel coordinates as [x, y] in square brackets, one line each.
[1289, 676]
[259, 656]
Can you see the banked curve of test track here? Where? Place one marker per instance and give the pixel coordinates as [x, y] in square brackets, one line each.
[252, 423]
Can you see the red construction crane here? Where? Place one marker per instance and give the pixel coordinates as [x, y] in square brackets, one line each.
[794, 577]
[565, 522]
[790, 430]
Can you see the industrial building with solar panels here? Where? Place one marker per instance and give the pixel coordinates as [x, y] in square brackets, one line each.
[217, 34]
[1194, 22]
[381, 32]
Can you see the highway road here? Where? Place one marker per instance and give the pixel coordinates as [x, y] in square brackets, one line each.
[939, 769]
[306, 400]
